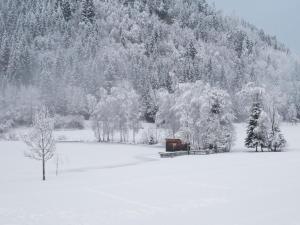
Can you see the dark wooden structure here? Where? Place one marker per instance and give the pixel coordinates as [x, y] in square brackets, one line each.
[175, 145]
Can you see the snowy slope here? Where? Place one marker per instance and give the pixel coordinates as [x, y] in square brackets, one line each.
[126, 184]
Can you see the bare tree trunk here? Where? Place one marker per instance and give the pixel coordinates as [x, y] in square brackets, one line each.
[121, 137]
[44, 171]
[133, 136]
[99, 132]
[57, 164]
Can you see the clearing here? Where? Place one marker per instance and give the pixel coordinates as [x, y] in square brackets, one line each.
[118, 184]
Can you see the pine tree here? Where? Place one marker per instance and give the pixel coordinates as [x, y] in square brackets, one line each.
[4, 54]
[276, 140]
[58, 4]
[251, 139]
[88, 11]
[66, 10]
[191, 51]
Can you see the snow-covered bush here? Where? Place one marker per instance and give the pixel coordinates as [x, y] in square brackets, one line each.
[68, 122]
[5, 126]
[9, 136]
[149, 136]
[61, 138]
[17, 106]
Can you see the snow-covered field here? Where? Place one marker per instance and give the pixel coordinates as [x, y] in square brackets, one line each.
[116, 184]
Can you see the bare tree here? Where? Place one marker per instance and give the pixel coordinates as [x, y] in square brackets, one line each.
[40, 139]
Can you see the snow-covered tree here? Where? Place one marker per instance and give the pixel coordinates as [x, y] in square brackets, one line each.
[263, 128]
[116, 111]
[261, 132]
[166, 116]
[40, 139]
[86, 45]
[291, 114]
[220, 133]
[200, 114]
[252, 138]
[75, 100]
[66, 10]
[276, 140]
[88, 11]
[250, 93]
[91, 104]
[101, 117]
[134, 114]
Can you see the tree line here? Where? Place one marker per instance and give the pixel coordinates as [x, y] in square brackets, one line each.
[57, 52]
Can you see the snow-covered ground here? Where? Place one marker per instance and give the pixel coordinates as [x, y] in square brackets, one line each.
[129, 184]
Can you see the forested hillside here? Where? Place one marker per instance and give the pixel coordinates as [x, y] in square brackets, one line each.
[58, 52]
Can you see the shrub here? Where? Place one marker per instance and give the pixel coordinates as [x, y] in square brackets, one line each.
[69, 122]
[149, 137]
[5, 125]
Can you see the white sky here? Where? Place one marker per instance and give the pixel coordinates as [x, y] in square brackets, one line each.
[276, 17]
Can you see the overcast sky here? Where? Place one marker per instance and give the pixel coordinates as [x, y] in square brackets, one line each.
[276, 17]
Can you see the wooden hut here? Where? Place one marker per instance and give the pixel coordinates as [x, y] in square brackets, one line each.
[175, 145]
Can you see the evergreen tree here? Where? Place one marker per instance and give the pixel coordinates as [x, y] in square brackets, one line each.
[88, 11]
[251, 139]
[4, 54]
[276, 140]
[191, 51]
[66, 10]
[19, 69]
[58, 4]
[209, 71]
